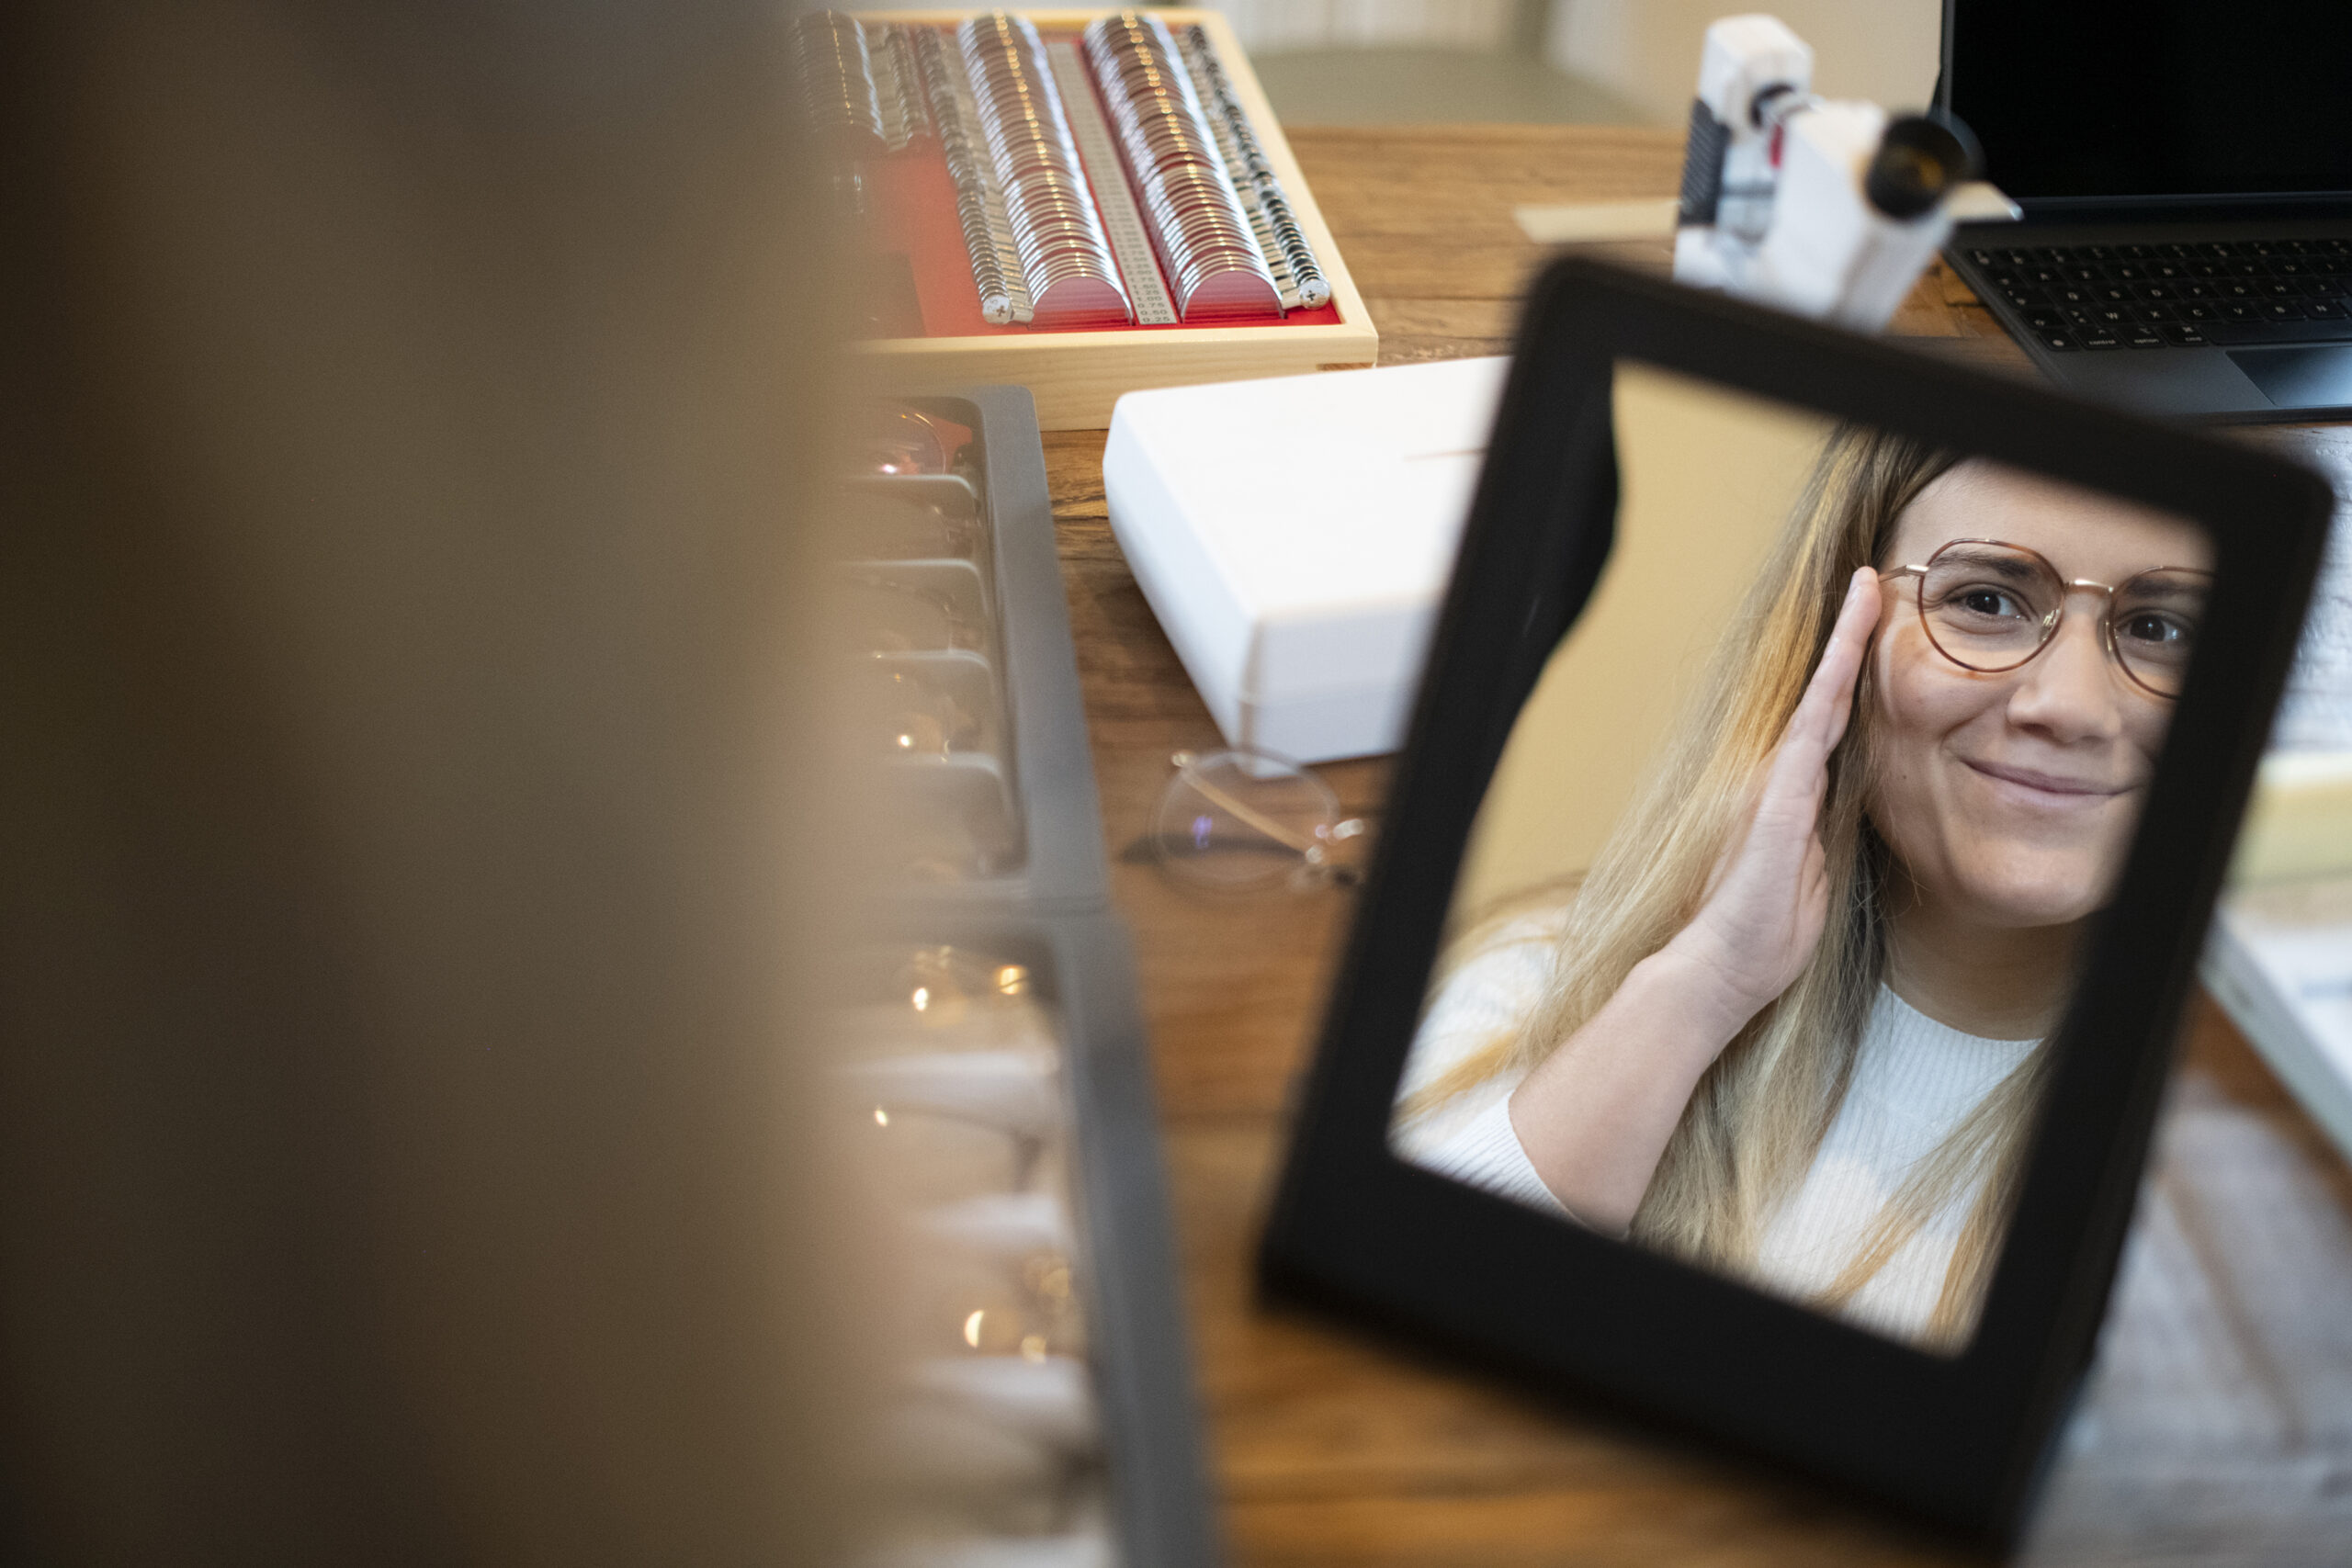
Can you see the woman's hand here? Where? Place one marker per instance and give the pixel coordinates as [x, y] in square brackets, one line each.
[1769, 893]
[1595, 1115]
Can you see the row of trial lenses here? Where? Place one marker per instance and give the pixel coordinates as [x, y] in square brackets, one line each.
[924, 688]
[1065, 256]
[979, 206]
[913, 618]
[1279, 233]
[898, 81]
[838, 95]
[924, 717]
[992, 1444]
[1205, 242]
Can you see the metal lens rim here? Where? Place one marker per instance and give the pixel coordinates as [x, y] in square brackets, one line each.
[2049, 628]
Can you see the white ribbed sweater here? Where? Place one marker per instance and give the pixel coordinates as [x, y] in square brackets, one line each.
[1913, 1081]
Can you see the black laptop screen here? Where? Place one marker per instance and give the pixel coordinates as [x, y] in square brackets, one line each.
[2155, 98]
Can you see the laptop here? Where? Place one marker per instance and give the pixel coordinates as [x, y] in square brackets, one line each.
[2186, 174]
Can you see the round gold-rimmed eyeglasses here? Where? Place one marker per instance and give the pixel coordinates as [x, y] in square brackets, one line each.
[1242, 819]
[1990, 606]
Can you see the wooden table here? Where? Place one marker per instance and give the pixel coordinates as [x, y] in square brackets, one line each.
[2218, 1427]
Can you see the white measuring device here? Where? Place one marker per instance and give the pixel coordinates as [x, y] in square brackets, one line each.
[1107, 174]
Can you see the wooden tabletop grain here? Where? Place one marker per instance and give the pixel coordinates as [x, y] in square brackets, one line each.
[2218, 1426]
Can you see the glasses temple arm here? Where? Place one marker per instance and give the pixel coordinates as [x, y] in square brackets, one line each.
[1258, 819]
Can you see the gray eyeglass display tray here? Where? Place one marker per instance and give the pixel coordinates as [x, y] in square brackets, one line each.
[1048, 908]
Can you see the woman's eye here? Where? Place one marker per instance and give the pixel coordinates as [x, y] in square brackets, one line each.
[1991, 602]
[2153, 628]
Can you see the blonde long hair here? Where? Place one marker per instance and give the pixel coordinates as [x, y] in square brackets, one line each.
[1759, 1115]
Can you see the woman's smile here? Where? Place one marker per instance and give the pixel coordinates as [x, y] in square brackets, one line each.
[2042, 790]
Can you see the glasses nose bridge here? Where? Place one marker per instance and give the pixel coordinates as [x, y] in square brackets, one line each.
[2104, 621]
[2067, 588]
[2074, 586]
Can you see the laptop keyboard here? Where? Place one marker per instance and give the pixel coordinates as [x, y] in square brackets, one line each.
[2183, 295]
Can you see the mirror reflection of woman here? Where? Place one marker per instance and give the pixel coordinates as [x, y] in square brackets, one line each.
[1788, 1025]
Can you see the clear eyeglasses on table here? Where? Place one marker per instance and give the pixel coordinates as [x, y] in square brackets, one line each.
[1240, 821]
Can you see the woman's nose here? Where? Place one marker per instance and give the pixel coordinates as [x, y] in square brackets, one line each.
[2069, 691]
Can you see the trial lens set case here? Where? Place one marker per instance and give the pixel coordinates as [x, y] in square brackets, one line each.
[1080, 201]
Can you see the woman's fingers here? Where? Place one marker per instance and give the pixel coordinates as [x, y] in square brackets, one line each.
[1819, 722]
[1768, 893]
[1829, 696]
[1850, 642]
[1796, 777]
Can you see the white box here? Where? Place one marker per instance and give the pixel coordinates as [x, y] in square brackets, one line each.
[1295, 537]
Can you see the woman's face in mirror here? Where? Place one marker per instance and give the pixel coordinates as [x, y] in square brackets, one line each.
[2010, 798]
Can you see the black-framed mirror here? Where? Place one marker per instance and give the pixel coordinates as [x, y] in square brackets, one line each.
[1821, 780]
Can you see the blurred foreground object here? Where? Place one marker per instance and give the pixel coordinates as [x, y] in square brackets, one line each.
[401, 866]
[2280, 956]
[1826, 209]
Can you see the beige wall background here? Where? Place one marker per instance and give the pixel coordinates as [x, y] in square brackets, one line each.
[1646, 51]
[1275, 25]
[1706, 478]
